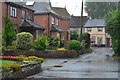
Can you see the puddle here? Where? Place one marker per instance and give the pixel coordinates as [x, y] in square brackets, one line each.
[57, 66]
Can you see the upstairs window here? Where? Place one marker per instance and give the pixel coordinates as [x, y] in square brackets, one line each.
[53, 20]
[23, 14]
[30, 17]
[56, 21]
[13, 12]
[89, 29]
[100, 29]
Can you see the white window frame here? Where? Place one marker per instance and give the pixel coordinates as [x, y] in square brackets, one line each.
[23, 14]
[57, 22]
[13, 12]
[53, 20]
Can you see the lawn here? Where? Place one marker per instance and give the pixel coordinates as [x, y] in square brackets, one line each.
[16, 61]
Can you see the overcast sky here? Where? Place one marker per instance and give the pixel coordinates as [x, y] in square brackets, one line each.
[72, 6]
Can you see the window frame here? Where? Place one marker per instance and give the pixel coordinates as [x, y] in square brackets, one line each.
[89, 29]
[30, 16]
[100, 29]
[57, 22]
[13, 12]
[53, 20]
[23, 16]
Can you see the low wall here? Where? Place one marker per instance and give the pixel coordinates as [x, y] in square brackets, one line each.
[43, 54]
[25, 71]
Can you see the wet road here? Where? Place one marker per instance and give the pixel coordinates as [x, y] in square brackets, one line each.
[98, 64]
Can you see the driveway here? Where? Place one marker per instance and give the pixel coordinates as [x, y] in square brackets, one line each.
[98, 64]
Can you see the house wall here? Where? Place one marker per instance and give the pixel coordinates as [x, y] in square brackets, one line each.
[16, 20]
[42, 20]
[45, 20]
[65, 25]
[96, 34]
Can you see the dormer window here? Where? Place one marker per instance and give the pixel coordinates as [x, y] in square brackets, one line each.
[13, 12]
[30, 3]
[53, 20]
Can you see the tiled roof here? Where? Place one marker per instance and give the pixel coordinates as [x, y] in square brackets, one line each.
[95, 23]
[75, 21]
[61, 11]
[55, 28]
[28, 23]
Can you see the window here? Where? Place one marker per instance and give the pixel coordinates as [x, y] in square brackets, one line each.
[100, 29]
[23, 14]
[93, 39]
[13, 12]
[53, 20]
[30, 17]
[99, 40]
[39, 33]
[89, 29]
[56, 21]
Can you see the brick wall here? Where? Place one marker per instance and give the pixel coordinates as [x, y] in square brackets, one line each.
[42, 20]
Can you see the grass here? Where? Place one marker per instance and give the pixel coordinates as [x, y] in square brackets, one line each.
[5, 64]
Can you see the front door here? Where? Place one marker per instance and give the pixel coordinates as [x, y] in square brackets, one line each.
[108, 42]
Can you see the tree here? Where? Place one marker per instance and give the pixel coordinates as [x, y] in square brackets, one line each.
[99, 9]
[9, 34]
[74, 35]
[112, 20]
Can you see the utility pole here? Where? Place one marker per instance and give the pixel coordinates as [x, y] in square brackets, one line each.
[81, 22]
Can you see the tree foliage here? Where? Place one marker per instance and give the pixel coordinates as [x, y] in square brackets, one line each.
[112, 20]
[9, 33]
[99, 9]
[74, 35]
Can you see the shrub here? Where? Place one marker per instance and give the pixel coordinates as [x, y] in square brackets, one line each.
[41, 43]
[24, 41]
[74, 45]
[73, 35]
[54, 41]
[9, 34]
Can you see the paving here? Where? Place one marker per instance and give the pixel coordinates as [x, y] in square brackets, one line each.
[98, 64]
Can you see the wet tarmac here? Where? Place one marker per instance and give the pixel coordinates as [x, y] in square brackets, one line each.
[98, 64]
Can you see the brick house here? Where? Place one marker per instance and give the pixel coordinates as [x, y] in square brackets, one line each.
[22, 18]
[56, 21]
[75, 23]
[96, 28]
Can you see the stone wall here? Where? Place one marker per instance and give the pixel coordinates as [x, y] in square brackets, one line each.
[43, 54]
[25, 71]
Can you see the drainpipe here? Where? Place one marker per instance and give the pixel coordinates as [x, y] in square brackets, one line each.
[49, 34]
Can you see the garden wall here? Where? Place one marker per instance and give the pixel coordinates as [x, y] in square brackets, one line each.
[25, 71]
[43, 54]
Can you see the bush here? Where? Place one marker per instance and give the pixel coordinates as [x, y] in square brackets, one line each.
[24, 41]
[41, 43]
[74, 45]
[54, 41]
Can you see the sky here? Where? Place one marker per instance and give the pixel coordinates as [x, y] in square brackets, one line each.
[72, 6]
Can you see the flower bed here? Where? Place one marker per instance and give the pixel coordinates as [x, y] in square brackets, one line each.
[13, 66]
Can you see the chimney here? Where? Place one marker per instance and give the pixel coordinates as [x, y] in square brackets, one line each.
[89, 13]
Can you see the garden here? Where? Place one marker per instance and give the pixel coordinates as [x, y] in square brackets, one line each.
[20, 49]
